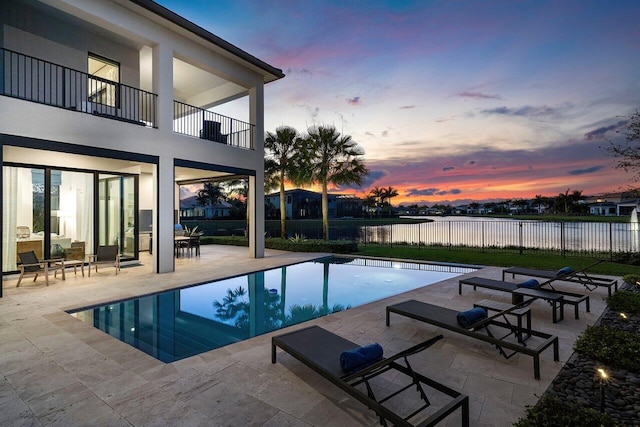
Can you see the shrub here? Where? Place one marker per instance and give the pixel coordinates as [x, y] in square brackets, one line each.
[312, 245]
[618, 349]
[551, 411]
[625, 301]
[632, 279]
[224, 240]
[632, 258]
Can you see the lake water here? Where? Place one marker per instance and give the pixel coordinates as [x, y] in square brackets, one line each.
[500, 233]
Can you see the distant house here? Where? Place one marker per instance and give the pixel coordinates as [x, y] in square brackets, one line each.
[603, 208]
[305, 204]
[191, 209]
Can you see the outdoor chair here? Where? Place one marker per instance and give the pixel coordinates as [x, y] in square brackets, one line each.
[322, 350]
[194, 245]
[484, 330]
[557, 299]
[109, 254]
[566, 274]
[31, 266]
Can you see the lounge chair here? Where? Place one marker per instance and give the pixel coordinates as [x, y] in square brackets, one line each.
[320, 350]
[484, 330]
[557, 299]
[566, 275]
[109, 254]
[31, 266]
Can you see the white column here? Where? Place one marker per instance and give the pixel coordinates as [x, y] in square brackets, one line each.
[163, 244]
[163, 85]
[164, 177]
[255, 204]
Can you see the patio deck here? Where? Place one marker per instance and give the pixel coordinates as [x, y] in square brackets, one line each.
[55, 369]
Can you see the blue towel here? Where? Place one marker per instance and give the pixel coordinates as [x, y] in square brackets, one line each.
[563, 271]
[469, 317]
[531, 283]
[360, 357]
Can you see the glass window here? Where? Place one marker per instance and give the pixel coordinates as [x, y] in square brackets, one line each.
[103, 73]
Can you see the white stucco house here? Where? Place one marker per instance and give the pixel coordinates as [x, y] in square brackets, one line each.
[106, 108]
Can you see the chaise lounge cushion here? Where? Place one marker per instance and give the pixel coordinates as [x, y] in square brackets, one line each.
[564, 271]
[360, 357]
[531, 283]
[470, 317]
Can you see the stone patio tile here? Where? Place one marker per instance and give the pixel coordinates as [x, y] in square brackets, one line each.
[15, 412]
[59, 399]
[496, 411]
[7, 392]
[39, 379]
[114, 388]
[282, 419]
[247, 411]
[87, 412]
[16, 356]
[282, 393]
[215, 400]
[146, 401]
[190, 384]
[345, 413]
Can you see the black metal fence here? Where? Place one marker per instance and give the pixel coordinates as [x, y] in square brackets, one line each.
[204, 124]
[32, 79]
[562, 238]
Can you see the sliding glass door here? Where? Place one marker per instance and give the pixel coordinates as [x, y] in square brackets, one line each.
[47, 211]
[117, 209]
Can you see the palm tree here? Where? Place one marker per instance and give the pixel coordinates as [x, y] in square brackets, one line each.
[378, 194]
[281, 152]
[387, 194]
[332, 158]
[370, 203]
[209, 195]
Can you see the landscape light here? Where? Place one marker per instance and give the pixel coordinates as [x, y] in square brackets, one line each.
[623, 316]
[604, 378]
[603, 374]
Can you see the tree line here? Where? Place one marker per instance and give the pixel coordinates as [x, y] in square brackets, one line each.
[323, 156]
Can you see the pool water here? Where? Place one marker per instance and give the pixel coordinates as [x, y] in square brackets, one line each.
[184, 322]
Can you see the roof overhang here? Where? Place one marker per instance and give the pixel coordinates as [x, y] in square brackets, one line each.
[169, 19]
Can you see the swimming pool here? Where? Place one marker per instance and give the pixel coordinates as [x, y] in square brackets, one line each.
[184, 322]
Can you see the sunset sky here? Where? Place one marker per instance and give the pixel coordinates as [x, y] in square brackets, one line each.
[452, 100]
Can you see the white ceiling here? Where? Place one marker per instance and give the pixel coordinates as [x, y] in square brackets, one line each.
[190, 81]
[63, 160]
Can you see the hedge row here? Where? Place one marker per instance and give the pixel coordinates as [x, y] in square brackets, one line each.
[625, 301]
[552, 411]
[307, 245]
[616, 348]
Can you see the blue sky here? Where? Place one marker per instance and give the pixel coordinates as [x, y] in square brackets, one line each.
[451, 100]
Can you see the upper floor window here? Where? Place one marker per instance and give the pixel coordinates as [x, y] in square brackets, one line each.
[104, 75]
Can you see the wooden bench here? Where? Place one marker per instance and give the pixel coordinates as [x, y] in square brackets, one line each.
[519, 313]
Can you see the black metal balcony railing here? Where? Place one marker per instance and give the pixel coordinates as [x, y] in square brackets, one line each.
[199, 123]
[35, 80]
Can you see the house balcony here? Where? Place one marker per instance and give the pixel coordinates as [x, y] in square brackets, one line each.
[200, 123]
[32, 79]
